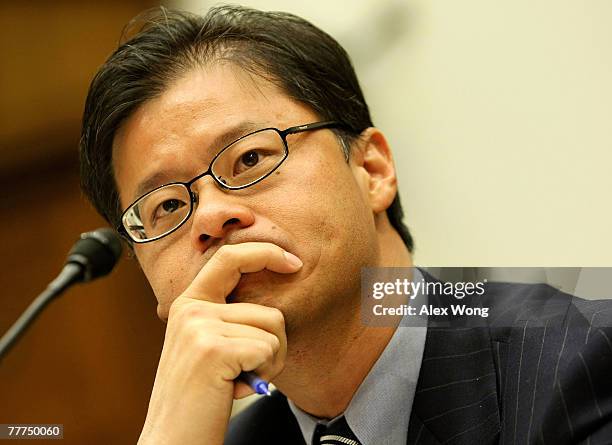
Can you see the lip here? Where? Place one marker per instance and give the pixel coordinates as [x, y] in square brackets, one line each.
[241, 236]
[255, 288]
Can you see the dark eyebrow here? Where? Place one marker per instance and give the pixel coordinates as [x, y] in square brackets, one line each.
[150, 183]
[218, 143]
[231, 134]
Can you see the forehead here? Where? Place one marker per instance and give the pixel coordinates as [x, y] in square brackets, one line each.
[173, 136]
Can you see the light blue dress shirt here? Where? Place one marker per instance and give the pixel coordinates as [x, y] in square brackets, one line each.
[379, 412]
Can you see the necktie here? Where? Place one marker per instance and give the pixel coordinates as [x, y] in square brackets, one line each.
[337, 433]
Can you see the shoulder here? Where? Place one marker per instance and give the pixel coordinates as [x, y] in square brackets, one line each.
[555, 355]
[521, 306]
[268, 421]
[566, 326]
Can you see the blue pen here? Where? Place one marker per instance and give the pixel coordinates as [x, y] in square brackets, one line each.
[259, 385]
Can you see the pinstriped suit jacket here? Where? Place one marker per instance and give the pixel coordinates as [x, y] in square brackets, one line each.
[537, 371]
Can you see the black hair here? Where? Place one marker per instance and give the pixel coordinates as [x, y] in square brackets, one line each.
[305, 62]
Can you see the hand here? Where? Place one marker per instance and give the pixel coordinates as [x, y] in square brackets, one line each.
[208, 343]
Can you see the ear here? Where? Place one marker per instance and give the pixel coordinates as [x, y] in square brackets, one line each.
[377, 171]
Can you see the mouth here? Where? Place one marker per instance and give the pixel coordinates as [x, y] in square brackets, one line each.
[212, 245]
[258, 286]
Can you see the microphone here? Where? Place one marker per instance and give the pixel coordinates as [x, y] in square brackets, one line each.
[92, 256]
[95, 254]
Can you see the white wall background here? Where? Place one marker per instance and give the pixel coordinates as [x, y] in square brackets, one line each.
[499, 114]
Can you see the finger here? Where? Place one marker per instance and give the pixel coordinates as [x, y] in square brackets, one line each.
[258, 320]
[234, 330]
[251, 355]
[221, 274]
[263, 317]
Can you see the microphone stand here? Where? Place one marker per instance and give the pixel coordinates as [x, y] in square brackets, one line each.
[70, 274]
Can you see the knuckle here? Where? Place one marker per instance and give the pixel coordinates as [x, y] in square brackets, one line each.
[176, 308]
[267, 351]
[207, 346]
[192, 331]
[277, 318]
[189, 310]
[275, 343]
[211, 348]
[193, 311]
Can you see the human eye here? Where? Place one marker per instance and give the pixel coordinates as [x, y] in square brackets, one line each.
[163, 208]
[249, 159]
[167, 207]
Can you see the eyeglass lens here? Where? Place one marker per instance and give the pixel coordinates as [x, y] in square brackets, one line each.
[243, 163]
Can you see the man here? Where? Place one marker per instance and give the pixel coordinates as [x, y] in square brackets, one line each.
[236, 154]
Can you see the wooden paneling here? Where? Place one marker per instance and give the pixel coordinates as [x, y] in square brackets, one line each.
[49, 52]
[89, 361]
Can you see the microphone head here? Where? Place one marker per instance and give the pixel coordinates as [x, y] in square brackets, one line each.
[96, 252]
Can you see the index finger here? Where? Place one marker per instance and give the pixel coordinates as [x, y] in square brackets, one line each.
[221, 274]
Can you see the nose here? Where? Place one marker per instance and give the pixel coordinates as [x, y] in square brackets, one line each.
[217, 212]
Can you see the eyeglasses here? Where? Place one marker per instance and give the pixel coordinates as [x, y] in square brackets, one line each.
[241, 164]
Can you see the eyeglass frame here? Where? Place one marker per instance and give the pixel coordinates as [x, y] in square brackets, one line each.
[122, 230]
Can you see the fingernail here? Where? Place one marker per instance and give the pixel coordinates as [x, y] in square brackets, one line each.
[293, 260]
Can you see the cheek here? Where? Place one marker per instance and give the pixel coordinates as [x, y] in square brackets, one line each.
[166, 272]
[326, 206]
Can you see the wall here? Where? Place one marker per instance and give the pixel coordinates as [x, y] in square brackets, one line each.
[498, 114]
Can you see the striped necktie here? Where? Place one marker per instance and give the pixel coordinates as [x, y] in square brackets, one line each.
[337, 433]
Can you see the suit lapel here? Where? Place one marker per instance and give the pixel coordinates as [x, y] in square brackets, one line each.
[456, 398]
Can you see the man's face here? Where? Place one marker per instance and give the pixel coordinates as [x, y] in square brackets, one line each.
[314, 206]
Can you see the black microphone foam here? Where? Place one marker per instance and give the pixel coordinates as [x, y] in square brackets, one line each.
[96, 252]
